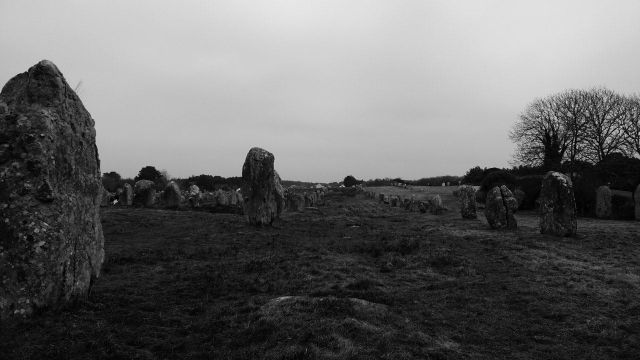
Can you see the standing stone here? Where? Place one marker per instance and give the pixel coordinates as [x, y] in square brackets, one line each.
[467, 195]
[295, 201]
[222, 198]
[603, 202]
[435, 205]
[636, 196]
[309, 199]
[194, 196]
[406, 204]
[499, 208]
[557, 205]
[143, 193]
[172, 197]
[126, 197]
[298, 203]
[381, 197]
[263, 194]
[393, 201]
[51, 241]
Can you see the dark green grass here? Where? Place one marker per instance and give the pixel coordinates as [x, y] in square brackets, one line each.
[196, 285]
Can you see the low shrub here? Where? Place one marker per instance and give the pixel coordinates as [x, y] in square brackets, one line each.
[530, 185]
[622, 207]
[498, 178]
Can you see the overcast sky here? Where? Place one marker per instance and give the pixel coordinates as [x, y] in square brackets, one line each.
[370, 88]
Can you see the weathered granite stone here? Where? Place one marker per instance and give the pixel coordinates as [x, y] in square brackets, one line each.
[295, 201]
[499, 208]
[261, 189]
[467, 196]
[172, 197]
[435, 205]
[194, 196]
[144, 193]
[309, 198]
[126, 196]
[603, 202]
[557, 205]
[51, 241]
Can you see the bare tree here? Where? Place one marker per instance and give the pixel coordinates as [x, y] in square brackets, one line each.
[631, 127]
[571, 106]
[605, 114]
[540, 135]
[585, 125]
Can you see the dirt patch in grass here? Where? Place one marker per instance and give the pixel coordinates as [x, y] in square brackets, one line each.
[354, 280]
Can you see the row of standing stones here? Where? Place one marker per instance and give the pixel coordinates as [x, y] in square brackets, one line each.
[557, 205]
[433, 205]
[143, 194]
[51, 240]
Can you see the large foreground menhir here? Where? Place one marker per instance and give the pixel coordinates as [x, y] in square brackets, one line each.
[51, 242]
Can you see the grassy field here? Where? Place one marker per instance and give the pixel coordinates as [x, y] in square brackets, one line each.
[355, 279]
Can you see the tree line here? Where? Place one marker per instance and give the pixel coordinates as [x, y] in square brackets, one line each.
[577, 126]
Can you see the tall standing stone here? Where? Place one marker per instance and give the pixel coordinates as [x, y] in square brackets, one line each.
[603, 202]
[500, 207]
[144, 193]
[263, 194]
[126, 197]
[194, 196]
[636, 196]
[467, 195]
[172, 197]
[51, 241]
[557, 205]
[436, 205]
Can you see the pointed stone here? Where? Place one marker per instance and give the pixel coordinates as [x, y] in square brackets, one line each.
[51, 241]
